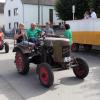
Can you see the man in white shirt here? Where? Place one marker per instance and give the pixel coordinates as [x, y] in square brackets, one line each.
[48, 30]
[93, 14]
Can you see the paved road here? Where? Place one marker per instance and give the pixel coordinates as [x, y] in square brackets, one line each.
[66, 87]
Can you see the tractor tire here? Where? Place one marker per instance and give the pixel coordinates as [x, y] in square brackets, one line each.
[22, 63]
[46, 76]
[82, 68]
[87, 48]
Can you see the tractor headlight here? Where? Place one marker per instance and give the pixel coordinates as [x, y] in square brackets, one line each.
[67, 59]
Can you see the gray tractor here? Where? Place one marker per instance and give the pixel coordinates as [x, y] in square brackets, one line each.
[48, 54]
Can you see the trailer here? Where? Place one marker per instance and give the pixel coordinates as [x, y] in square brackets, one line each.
[86, 33]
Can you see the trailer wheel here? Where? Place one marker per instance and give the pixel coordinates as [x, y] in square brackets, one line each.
[82, 68]
[87, 47]
[75, 47]
[46, 76]
[22, 63]
[6, 47]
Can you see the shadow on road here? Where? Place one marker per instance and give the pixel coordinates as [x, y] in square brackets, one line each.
[14, 85]
[2, 52]
[18, 87]
[71, 81]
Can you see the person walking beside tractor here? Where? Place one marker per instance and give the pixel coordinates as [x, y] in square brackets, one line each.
[68, 33]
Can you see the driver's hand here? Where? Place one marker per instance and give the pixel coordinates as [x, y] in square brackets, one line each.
[43, 34]
[16, 36]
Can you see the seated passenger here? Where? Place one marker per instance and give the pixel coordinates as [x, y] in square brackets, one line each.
[19, 34]
[48, 30]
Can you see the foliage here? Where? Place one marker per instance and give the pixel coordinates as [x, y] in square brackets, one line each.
[64, 8]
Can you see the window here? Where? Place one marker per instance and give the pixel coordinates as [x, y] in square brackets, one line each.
[15, 11]
[16, 24]
[9, 12]
[51, 15]
[9, 25]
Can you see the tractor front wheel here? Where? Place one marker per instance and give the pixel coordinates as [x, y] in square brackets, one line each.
[46, 76]
[82, 68]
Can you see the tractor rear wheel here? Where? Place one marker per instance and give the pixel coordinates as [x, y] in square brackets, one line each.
[22, 63]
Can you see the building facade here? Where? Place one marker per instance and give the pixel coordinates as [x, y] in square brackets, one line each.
[29, 11]
[2, 19]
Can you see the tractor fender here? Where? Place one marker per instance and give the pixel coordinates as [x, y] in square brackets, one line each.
[16, 49]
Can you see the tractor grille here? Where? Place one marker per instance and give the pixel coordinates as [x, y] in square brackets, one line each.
[66, 51]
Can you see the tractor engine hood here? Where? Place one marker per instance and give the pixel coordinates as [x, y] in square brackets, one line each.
[50, 41]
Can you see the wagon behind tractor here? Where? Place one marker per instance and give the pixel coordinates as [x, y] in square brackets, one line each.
[52, 52]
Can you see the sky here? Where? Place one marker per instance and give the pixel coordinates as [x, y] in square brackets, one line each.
[2, 0]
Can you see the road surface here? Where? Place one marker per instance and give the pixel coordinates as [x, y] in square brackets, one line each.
[66, 86]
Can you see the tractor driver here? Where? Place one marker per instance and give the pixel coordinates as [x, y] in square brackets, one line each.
[33, 33]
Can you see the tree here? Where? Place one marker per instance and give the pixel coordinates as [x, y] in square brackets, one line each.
[96, 6]
[64, 8]
[91, 3]
[81, 8]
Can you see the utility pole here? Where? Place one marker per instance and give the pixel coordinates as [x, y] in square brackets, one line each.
[38, 11]
[73, 11]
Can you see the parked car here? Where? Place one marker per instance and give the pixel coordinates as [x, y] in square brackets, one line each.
[3, 45]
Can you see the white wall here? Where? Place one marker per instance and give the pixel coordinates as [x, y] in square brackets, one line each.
[27, 14]
[31, 14]
[46, 15]
[10, 5]
[85, 25]
[2, 20]
[56, 19]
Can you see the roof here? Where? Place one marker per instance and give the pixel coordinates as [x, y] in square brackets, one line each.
[1, 8]
[41, 2]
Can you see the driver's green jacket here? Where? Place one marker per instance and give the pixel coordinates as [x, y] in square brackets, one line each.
[33, 33]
